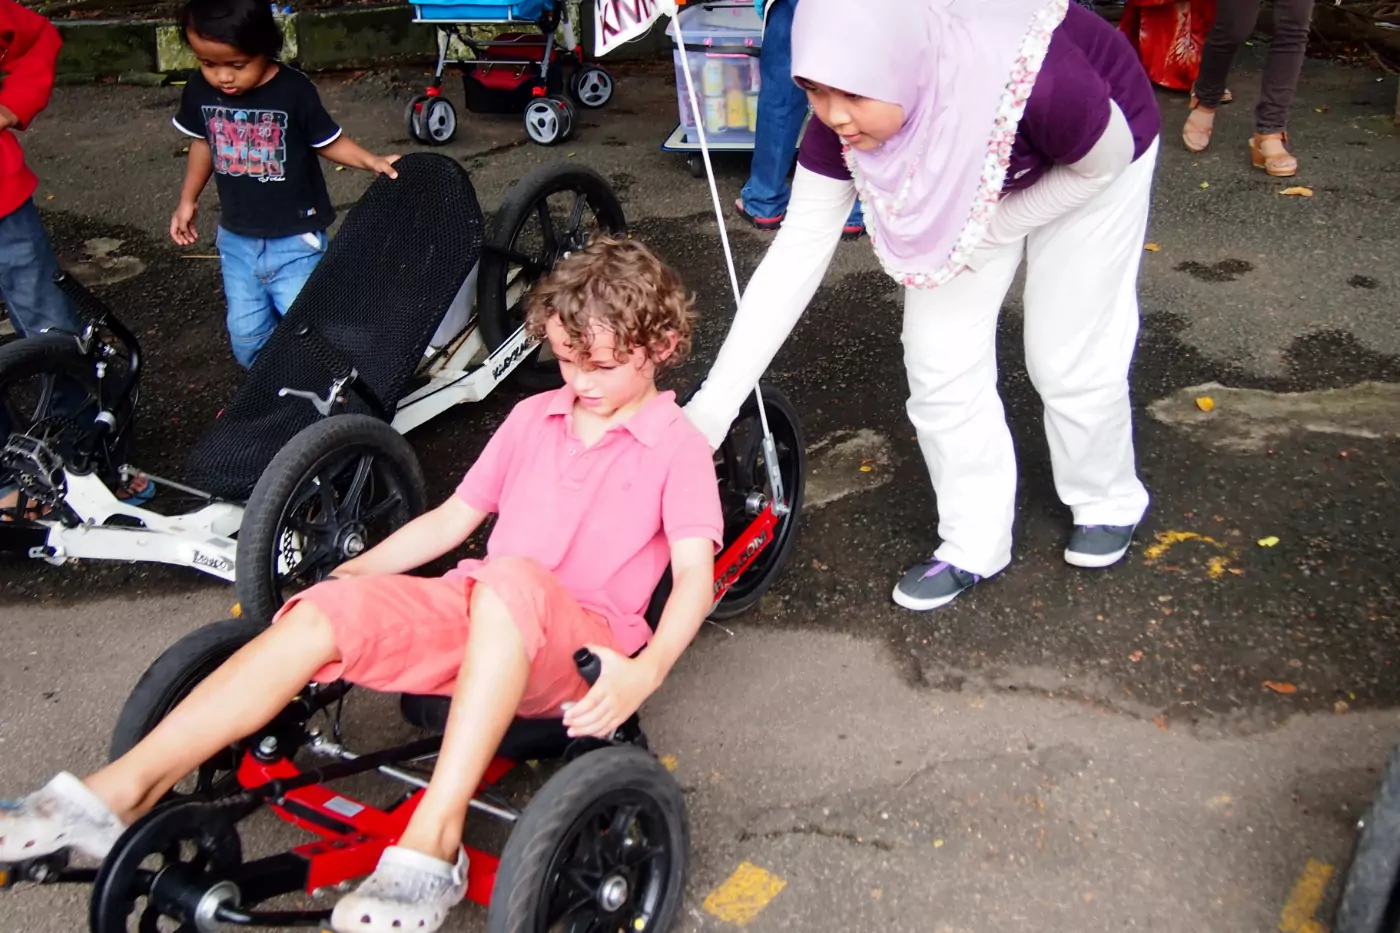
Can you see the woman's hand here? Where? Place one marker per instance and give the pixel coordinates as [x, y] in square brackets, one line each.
[620, 690]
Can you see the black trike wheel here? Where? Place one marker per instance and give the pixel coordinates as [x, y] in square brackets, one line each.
[1370, 901]
[603, 846]
[182, 667]
[695, 165]
[550, 212]
[335, 490]
[50, 390]
[169, 870]
[745, 490]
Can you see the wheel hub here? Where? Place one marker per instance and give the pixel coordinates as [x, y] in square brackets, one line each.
[352, 540]
[206, 912]
[613, 893]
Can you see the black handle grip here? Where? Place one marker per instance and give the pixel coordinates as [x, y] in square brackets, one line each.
[85, 301]
[589, 665]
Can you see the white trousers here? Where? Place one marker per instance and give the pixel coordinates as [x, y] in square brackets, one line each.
[1081, 324]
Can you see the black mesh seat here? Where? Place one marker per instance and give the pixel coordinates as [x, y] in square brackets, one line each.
[371, 305]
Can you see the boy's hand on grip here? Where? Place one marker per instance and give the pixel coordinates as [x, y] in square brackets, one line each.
[182, 229]
[621, 689]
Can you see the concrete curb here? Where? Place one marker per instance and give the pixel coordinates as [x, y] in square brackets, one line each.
[142, 51]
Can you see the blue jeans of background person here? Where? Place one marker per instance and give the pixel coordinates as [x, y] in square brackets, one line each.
[262, 278]
[36, 304]
[782, 105]
[27, 267]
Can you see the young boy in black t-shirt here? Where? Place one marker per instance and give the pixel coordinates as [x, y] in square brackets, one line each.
[260, 126]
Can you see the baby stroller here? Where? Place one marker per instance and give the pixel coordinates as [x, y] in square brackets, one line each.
[516, 72]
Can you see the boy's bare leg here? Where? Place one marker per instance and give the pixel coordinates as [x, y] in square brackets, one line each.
[488, 692]
[239, 698]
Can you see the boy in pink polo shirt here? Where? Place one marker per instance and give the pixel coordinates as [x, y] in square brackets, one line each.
[597, 487]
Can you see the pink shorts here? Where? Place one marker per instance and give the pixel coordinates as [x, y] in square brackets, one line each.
[401, 634]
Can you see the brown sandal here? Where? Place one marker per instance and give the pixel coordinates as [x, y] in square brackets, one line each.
[1278, 164]
[1195, 135]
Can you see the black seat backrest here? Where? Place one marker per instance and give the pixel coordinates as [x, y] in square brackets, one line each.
[658, 599]
[372, 304]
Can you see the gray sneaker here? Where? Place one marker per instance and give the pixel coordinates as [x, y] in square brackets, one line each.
[932, 584]
[1098, 545]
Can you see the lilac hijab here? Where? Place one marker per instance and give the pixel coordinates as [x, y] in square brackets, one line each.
[962, 70]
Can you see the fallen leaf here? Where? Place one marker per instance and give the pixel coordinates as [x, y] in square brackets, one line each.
[938, 843]
[1341, 706]
[1152, 248]
[48, 197]
[1270, 541]
[340, 168]
[1321, 109]
[877, 893]
[1160, 721]
[866, 468]
[1205, 403]
[1295, 663]
[236, 611]
[1301, 191]
[1280, 687]
[1135, 657]
[1205, 184]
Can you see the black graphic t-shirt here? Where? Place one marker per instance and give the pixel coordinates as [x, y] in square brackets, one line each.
[264, 144]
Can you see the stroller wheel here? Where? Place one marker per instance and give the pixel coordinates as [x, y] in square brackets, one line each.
[439, 121]
[413, 117]
[591, 86]
[545, 121]
[568, 112]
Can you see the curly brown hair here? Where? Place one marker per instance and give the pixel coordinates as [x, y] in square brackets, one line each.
[623, 286]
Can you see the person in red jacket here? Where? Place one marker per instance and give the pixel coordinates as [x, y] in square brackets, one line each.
[29, 46]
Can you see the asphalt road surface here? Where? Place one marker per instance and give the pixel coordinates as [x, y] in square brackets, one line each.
[1180, 743]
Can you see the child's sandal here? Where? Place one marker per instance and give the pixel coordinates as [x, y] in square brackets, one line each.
[409, 892]
[63, 814]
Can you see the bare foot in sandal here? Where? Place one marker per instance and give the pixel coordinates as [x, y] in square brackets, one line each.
[1199, 125]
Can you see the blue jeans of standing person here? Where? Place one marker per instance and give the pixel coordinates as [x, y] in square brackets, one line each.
[27, 267]
[262, 277]
[782, 106]
[36, 304]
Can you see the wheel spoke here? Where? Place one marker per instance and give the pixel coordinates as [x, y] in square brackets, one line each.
[377, 511]
[561, 907]
[640, 855]
[357, 485]
[150, 918]
[546, 225]
[327, 495]
[585, 921]
[575, 218]
[310, 559]
[617, 831]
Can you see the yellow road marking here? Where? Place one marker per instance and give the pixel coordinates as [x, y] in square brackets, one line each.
[1308, 891]
[744, 895]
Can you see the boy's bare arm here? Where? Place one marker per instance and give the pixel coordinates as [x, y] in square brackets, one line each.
[197, 173]
[425, 539]
[626, 682]
[345, 151]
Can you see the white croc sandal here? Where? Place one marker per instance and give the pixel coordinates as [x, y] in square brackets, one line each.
[409, 892]
[64, 814]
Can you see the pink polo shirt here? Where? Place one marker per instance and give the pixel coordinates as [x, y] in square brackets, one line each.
[600, 518]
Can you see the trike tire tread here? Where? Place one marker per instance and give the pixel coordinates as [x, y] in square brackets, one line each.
[1370, 901]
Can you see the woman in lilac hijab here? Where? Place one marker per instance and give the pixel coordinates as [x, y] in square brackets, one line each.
[977, 134]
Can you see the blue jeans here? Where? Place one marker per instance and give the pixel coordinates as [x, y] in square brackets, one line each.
[36, 304]
[782, 105]
[261, 280]
[27, 267]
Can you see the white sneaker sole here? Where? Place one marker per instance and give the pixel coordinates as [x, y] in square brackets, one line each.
[923, 605]
[1094, 561]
